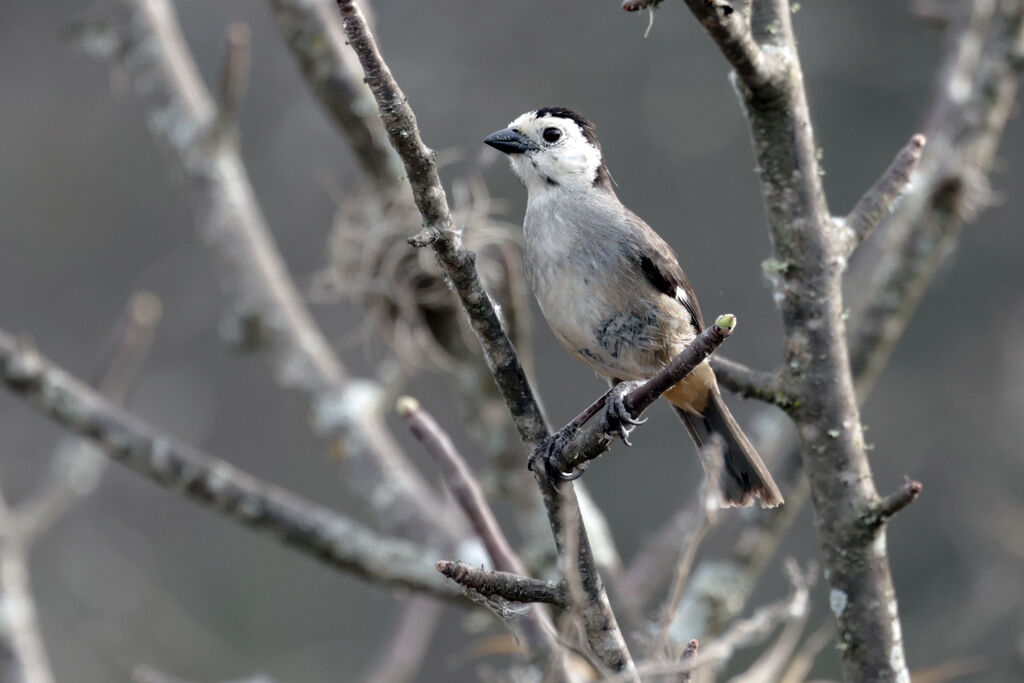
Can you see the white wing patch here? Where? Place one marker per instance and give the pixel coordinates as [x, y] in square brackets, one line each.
[682, 295]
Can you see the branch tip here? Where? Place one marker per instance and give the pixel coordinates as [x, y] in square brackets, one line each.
[726, 323]
[887, 508]
[878, 201]
[145, 308]
[406, 406]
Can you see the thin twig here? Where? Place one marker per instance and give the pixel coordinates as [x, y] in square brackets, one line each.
[803, 661]
[24, 659]
[401, 656]
[586, 443]
[144, 39]
[893, 503]
[147, 674]
[742, 633]
[76, 468]
[75, 471]
[712, 455]
[233, 83]
[306, 526]
[692, 650]
[750, 383]
[507, 585]
[461, 483]
[671, 606]
[537, 627]
[878, 201]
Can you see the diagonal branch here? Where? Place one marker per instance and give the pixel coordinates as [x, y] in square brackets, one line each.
[602, 630]
[750, 383]
[313, 33]
[306, 526]
[76, 468]
[461, 483]
[582, 445]
[439, 230]
[878, 201]
[538, 629]
[731, 32]
[507, 585]
[144, 38]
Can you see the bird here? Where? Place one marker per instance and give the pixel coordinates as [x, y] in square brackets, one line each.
[613, 292]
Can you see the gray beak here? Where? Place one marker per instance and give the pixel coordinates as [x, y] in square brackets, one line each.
[509, 141]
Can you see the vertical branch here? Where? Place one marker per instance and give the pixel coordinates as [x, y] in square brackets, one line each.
[963, 134]
[25, 659]
[818, 371]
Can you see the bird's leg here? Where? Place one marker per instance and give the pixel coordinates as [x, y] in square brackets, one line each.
[617, 417]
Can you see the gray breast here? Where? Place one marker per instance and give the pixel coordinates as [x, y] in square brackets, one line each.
[597, 302]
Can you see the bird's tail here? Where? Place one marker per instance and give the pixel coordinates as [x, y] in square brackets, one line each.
[743, 474]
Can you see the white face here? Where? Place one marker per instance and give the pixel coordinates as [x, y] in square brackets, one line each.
[561, 155]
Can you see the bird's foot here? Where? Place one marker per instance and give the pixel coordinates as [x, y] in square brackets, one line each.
[550, 451]
[617, 418]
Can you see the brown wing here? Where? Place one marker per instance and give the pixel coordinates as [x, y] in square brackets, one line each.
[661, 268]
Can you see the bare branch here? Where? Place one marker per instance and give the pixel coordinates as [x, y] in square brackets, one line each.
[730, 31]
[963, 134]
[585, 444]
[461, 482]
[401, 656]
[23, 655]
[887, 507]
[444, 237]
[772, 661]
[147, 674]
[878, 201]
[692, 650]
[817, 364]
[671, 606]
[76, 468]
[505, 585]
[310, 528]
[538, 629]
[233, 83]
[313, 33]
[745, 632]
[749, 383]
[440, 232]
[803, 661]
[144, 38]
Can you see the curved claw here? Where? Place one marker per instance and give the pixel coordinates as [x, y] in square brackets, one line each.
[571, 475]
[617, 416]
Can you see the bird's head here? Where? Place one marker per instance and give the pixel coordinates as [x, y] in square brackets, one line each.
[553, 147]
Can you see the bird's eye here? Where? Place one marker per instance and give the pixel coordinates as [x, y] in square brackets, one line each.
[552, 134]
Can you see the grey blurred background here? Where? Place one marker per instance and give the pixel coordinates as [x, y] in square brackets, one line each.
[91, 213]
